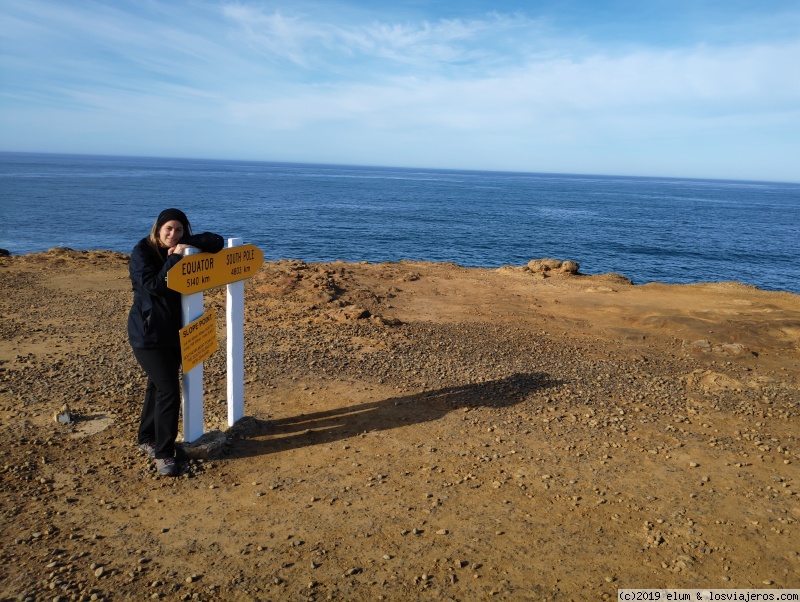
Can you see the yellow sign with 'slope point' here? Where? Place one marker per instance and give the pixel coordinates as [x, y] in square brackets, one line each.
[198, 340]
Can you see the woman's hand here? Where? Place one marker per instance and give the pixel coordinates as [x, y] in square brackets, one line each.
[179, 249]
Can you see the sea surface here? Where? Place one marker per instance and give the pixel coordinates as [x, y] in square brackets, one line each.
[648, 229]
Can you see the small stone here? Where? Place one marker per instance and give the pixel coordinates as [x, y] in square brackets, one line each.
[98, 572]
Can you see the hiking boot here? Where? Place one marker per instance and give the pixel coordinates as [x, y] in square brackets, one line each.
[149, 448]
[167, 467]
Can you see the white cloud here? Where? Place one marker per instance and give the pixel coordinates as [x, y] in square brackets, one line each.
[696, 83]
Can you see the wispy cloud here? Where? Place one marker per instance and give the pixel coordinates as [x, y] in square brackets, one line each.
[427, 45]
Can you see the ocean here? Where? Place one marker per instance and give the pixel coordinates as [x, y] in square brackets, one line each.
[648, 229]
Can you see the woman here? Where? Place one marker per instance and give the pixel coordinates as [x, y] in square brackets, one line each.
[154, 324]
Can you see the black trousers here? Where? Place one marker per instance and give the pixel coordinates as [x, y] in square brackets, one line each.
[162, 398]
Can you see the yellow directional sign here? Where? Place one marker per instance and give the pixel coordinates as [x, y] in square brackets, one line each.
[195, 273]
[198, 340]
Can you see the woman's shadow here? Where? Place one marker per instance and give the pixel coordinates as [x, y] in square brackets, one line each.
[253, 437]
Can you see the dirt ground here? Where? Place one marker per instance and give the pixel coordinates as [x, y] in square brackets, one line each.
[413, 431]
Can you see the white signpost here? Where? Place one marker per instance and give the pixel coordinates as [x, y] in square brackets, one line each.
[234, 323]
[192, 275]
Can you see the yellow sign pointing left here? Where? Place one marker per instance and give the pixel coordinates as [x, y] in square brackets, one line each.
[198, 340]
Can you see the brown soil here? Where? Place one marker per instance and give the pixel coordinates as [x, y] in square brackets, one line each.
[414, 431]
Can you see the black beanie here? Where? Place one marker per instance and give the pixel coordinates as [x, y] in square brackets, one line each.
[173, 214]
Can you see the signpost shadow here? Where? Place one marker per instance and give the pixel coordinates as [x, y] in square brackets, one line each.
[260, 437]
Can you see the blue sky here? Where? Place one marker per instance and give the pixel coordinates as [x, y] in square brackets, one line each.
[686, 88]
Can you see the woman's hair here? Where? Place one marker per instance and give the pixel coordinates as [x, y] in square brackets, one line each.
[164, 217]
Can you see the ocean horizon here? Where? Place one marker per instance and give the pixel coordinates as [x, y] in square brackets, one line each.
[91, 156]
[650, 229]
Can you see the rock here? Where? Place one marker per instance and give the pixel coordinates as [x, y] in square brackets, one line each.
[385, 321]
[570, 267]
[702, 344]
[209, 445]
[4, 253]
[63, 416]
[712, 382]
[248, 426]
[548, 265]
[616, 278]
[544, 265]
[735, 349]
[348, 313]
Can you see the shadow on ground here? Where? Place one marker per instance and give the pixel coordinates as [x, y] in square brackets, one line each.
[254, 437]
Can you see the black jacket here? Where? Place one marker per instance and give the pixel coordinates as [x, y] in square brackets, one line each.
[155, 317]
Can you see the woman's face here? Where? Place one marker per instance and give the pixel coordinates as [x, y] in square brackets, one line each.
[170, 233]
